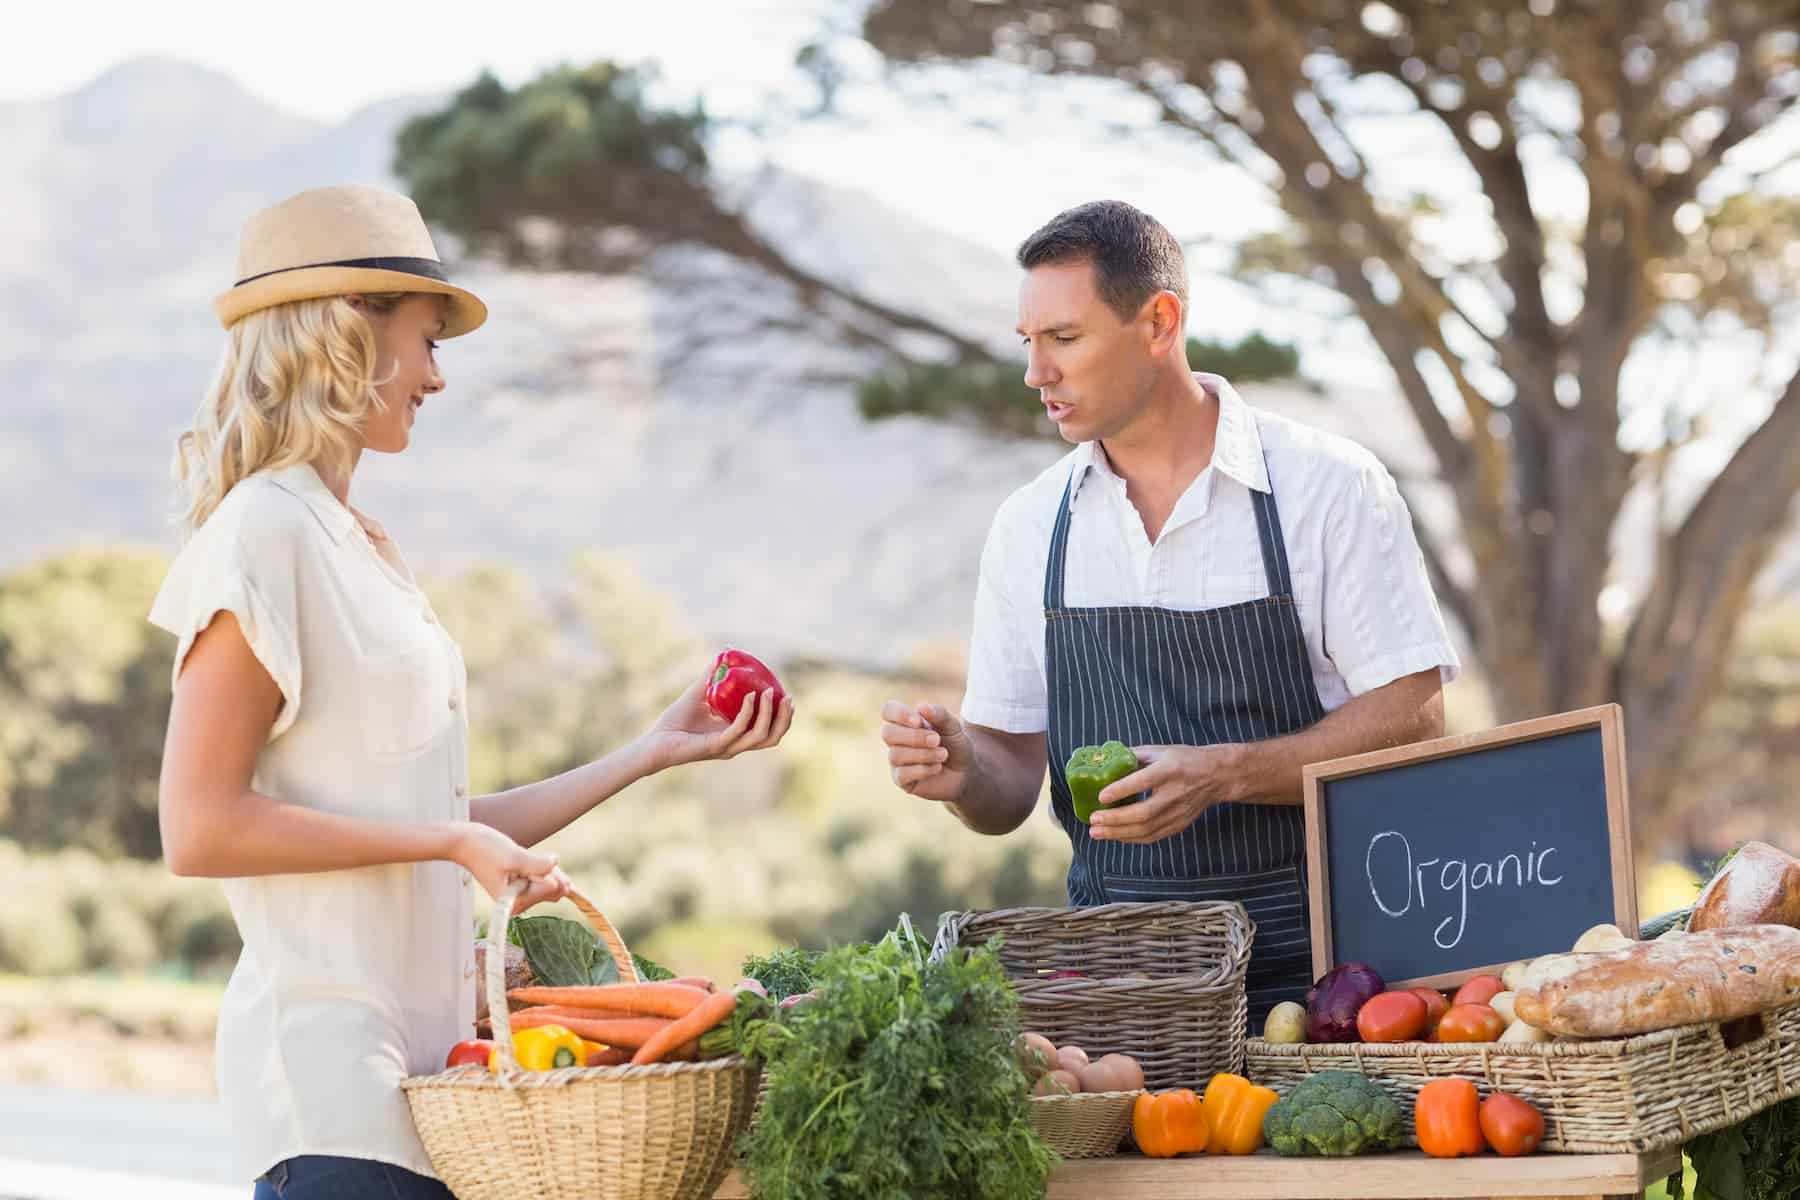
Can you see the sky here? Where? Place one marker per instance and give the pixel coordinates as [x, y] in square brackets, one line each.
[991, 184]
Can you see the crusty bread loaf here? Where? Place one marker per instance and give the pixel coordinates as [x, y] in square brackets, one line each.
[1688, 980]
[1759, 886]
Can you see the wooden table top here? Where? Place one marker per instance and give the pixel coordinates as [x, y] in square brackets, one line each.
[1399, 1175]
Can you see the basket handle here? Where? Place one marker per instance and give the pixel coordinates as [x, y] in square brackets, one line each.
[499, 1011]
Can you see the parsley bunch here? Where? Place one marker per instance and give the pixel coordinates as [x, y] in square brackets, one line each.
[897, 1082]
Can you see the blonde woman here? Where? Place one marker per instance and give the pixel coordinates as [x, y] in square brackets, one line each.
[317, 751]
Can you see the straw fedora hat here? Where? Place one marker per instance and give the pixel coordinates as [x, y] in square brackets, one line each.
[332, 241]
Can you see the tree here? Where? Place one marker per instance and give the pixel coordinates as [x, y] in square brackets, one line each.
[1522, 349]
[580, 168]
[84, 699]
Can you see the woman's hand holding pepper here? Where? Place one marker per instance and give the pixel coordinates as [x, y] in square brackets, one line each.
[1182, 782]
[689, 730]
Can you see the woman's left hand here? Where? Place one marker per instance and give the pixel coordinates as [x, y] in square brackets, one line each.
[689, 730]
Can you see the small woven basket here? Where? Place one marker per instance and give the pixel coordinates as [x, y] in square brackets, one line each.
[1631, 1095]
[1084, 1125]
[661, 1132]
[1164, 982]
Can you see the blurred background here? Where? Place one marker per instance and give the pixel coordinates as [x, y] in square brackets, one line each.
[750, 378]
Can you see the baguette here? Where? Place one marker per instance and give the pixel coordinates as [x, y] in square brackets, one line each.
[1700, 978]
[1759, 886]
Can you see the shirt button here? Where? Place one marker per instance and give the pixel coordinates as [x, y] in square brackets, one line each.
[461, 792]
[430, 617]
[453, 704]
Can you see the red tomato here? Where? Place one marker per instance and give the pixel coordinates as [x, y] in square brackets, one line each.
[1471, 1023]
[1391, 1017]
[469, 1052]
[1436, 1005]
[1510, 1125]
[1479, 990]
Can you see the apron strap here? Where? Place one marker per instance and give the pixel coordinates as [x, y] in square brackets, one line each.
[1274, 546]
[1059, 545]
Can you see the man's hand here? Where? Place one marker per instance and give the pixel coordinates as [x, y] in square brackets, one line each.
[1183, 782]
[929, 751]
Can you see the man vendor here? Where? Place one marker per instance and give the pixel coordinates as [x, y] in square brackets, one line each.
[1228, 592]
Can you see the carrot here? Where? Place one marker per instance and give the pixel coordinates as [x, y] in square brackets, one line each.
[571, 1010]
[612, 1056]
[710, 1012]
[625, 1031]
[640, 999]
[698, 981]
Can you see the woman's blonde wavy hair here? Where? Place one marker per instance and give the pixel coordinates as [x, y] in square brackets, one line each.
[295, 384]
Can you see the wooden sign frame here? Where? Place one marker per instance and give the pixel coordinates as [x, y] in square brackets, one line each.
[1609, 719]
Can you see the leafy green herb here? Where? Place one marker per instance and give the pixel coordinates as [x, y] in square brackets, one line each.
[562, 953]
[1756, 1159]
[896, 1081]
[785, 972]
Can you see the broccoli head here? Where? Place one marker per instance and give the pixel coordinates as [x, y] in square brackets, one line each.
[1333, 1113]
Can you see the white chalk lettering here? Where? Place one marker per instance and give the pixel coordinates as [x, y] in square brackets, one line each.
[1456, 878]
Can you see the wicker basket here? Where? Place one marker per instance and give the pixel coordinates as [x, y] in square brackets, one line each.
[660, 1132]
[1084, 1125]
[1629, 1095]
[1165, 981]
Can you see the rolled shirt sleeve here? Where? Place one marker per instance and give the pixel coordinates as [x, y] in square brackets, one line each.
[1006, 688]
[1381, 619]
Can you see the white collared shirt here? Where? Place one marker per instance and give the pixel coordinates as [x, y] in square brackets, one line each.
[349, 980]
[1366, 605]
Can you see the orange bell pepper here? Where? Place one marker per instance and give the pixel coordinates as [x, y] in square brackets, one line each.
[1235, 1108]
[1447, 1118]
[1169, 1123]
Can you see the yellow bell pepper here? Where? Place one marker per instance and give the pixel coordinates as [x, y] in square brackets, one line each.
[1235, 1108]
[1165, 1124]
[546, 1048]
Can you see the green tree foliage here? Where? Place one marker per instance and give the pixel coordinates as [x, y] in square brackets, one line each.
[84, 700]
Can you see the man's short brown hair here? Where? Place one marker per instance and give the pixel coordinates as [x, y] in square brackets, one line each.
[1134, 257]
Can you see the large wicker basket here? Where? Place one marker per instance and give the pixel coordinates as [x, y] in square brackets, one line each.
[1630, 1095]
[1164, 981]
[660, 1132]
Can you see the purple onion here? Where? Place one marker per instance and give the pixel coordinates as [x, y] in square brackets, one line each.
[1332, 1002]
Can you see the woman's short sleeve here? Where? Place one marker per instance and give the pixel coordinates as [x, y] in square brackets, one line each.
[212, 575]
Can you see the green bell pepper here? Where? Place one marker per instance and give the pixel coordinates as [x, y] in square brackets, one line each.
[1090, 769]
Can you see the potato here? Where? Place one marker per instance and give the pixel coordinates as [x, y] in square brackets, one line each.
[1502, 1003]
[1601, 937]
[1113, 1073]
[1514, 974]
[1036, 1053]
[1286, 1024]
[1071, 1059]
[1056, 1083]
[1519, 1032]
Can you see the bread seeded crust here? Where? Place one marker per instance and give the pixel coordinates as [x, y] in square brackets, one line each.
[1693, 979]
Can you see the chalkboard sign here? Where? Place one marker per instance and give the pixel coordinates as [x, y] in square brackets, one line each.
[1452, 858]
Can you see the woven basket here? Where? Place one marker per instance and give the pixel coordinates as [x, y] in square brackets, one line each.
[1629, 1095]
[1165, 981]
[1084, 1125]
[660, 1132]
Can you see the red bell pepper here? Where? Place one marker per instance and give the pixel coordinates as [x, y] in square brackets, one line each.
[736, 675]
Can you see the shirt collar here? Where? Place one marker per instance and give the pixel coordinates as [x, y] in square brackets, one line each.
[1237, 446]
[303, 481]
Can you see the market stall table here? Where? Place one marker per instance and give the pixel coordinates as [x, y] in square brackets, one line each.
[1402, 1175]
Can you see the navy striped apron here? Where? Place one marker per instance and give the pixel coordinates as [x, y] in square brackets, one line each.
[1158, 676]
